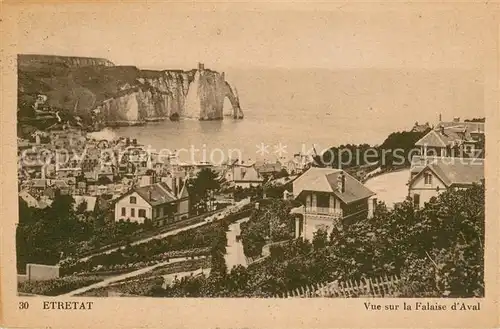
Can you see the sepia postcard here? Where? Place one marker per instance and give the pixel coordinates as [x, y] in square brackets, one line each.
[239, 165]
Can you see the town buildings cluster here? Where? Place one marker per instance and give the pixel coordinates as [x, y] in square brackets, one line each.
[451, 156]
[122, 178]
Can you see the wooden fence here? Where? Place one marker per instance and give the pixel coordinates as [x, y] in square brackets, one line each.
[376, 287]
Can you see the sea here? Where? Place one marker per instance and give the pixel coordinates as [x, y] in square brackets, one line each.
[288, 111]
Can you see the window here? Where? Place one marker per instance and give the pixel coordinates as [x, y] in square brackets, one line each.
[132, 212]
[142, 213]
[301, 227]
[308, 201]
[124, 211]
[133, 200]
[416, 200]
[427, 179]
[323, 200]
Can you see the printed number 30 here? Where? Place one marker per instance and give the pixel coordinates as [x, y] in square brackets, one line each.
[24, 305]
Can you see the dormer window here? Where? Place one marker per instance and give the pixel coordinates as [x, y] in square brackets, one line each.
[427, 179]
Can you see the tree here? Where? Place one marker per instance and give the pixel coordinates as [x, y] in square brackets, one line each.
[275, 191]
[320, 239]
[437, 250]
[82, 207]
[282, 173]
[104, 180]
[238, 280]
[202, 185]
[271, 222]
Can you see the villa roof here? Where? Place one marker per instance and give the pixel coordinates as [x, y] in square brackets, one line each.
[39, 183]
[455, 171]
[156, 194]
[470, 126]
[268, 167]
[325, 180]
[446, 133]
[60, 183]
[26, 195]
[249, 174]
[431, 139]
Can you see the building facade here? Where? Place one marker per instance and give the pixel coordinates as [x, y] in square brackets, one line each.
[329, 197]
[455, 138]
[158, 202]
[442, 173]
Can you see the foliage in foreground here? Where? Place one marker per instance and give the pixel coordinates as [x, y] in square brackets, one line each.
[57, 286]
[270, 223]
[438, 251]
[195, 241]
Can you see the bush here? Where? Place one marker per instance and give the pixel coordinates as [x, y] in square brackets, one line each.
[56, 286]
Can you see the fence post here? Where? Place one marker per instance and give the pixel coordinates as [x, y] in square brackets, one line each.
[372, 288]
[344, 289]
[321, 290]
[377, 286]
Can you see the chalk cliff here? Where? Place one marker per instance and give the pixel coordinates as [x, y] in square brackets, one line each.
[98, 91]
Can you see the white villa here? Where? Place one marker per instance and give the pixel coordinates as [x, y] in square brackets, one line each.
[159, 202]
[329, 197]
[430, 176]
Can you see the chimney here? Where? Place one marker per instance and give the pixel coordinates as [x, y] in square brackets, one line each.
[441, 129]
[201, 66]
[341, 182]
[174, 185]
[150, 197]
[134, 141]
[440, 119]
[180, 184]
[456, 119]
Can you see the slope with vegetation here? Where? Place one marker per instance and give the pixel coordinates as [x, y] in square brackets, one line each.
[438, 251]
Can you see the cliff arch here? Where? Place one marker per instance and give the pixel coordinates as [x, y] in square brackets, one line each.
[237, 113]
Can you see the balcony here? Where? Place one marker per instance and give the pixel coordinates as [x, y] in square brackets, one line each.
[323, 213]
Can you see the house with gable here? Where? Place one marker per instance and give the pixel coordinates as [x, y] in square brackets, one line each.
[453, 138]
[268, 169]
[329, 197]
[30, 200]
[439, 174]
[160, 202]
[246, 176]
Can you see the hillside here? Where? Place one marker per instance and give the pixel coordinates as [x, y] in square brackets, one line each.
[98, 91]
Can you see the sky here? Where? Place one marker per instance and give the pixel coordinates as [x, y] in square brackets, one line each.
[277, 35]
